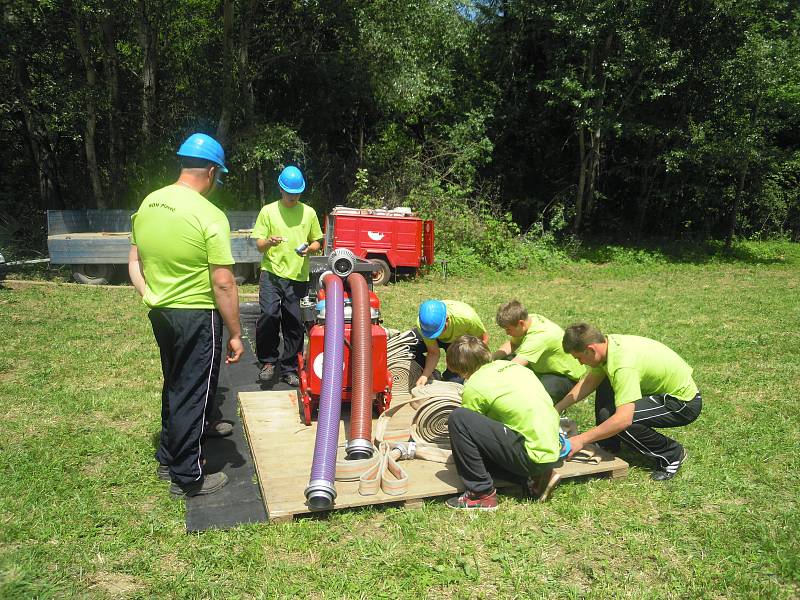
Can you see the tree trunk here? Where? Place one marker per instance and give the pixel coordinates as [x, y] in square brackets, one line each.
[224, 125]
[734, 212]
[148, 36]
[38, 139]
[644, 189]
[245, 76]
[82, 42]
[262, 190]
[737, 199]
[576, 228]
[111, 65]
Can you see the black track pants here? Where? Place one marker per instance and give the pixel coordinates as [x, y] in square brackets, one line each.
[557, 386]
[483, 447]
[279, 300]
[190, 342]
[660, 410]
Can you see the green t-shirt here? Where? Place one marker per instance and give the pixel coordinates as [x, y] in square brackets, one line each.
[298, 225]
[463, 321]
[511, 394]
[179, 234]
[637, 367]
[541, 347]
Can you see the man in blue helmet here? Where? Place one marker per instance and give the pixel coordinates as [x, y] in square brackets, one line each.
[180, 262]
[286, 232]
[441, 322]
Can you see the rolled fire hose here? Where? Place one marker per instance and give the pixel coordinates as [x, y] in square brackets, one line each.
[321, 492]
[429, 441]
[401, 364]
[360, 445]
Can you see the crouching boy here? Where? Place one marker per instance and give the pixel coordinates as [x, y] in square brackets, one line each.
[506, 427]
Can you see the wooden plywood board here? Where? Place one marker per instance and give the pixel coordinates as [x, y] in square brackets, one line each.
[283, 448]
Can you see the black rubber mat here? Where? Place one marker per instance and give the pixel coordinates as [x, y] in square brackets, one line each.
[240, 501]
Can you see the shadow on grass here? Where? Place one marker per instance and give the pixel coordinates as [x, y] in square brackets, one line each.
[688, 252]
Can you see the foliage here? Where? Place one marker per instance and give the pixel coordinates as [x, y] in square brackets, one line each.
[583, 118]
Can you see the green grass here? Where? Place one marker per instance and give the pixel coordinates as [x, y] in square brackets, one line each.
[82, 514]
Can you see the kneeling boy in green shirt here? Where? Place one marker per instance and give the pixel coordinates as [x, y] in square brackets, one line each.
[536, 343]
[650, 386]
[506, 423]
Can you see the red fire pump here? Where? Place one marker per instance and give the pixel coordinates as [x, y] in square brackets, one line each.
[311, 361]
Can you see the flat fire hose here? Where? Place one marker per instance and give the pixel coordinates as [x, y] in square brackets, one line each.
[589, 453]
[428, 435]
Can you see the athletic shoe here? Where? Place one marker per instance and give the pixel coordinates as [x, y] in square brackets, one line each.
[208, 485]
[218, 429]
[671, 470]
[267, 373]
[291, 378]
[470, 501]
[163, 472]
[541, 486]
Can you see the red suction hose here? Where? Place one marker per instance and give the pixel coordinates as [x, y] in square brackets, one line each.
[360, 444]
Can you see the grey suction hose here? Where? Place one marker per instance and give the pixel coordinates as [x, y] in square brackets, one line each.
[321, 492]
[342, 262]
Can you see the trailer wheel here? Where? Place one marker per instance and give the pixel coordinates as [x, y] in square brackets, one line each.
[92, 274]
[382, 276]
[242, 272]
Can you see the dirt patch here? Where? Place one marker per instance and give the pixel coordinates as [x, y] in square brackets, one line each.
[115, 585]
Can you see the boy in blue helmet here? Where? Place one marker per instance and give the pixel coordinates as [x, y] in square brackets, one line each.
[286, 231]
[440, 322]
[180, 262]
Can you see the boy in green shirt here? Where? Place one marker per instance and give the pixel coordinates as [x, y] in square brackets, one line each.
[286, 231]
[439, 322]
[506, 424]
[536, 343]
[640, 384]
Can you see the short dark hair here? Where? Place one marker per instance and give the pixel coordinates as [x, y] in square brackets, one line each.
[577, 337]
[467, 354]
[190, 162]
[511, 313]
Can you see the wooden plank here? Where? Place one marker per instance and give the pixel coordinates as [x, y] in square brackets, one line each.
[283, 448]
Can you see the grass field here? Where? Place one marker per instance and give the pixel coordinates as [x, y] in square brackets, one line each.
[83, 515]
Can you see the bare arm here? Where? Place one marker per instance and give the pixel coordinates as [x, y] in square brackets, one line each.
[226, 294]
[503, 351]
[136, 270]
[312, 248]
[619, 421]
[431, 360]
[587, 384]
[264, 244]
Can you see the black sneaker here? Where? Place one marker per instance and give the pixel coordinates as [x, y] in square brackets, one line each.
[163, 472]
[670, 470]
[208, 485]
[267, 373]
[291, 378]
[218, 429]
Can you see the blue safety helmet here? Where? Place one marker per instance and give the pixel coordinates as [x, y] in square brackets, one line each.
[432, 318]
[291, 181]
[200, 145]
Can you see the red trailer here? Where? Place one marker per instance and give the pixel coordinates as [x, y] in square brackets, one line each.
[396, 239]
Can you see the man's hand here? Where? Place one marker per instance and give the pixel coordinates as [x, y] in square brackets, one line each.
[576, 444]
[274, 240]
[422, 380]
[235, 350]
